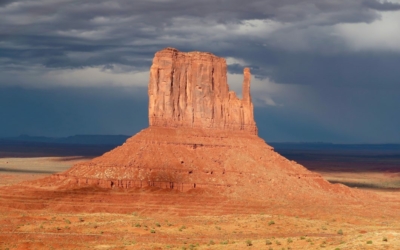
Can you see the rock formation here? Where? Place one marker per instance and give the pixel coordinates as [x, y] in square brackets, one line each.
[190, 90]
[200, 136]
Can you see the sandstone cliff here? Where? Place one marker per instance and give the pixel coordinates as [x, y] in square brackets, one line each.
[191, 90]
[202, 137]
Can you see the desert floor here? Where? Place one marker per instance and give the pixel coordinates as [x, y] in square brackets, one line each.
[108, 219]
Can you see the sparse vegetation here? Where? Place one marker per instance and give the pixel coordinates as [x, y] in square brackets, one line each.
[249, 243]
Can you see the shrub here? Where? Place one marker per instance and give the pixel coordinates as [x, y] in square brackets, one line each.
[137, 225]
[211, 242]
[384, 239]
[302, 237]
[289, 240]
[271, 223]
[369, 242]
[249, 243]
[268, 242]
[340, 232]
[158, 224]
[278, 242]
[152, 231]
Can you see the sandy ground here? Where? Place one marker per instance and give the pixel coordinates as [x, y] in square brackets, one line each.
[15, 170]
[148, 223]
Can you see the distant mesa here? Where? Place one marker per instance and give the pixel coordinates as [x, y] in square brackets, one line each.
[201, 137]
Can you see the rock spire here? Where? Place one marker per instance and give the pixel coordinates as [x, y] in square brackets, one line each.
[191, 90]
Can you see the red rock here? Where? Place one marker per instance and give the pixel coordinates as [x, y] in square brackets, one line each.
[201, 136]
[190, 90]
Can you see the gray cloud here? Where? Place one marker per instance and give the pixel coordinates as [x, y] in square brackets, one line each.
[51, 33]
[382, 6]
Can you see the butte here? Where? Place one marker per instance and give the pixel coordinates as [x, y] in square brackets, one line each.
[201, 137]
[199, 164]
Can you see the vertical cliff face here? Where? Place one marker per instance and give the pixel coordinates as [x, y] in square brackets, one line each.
[191, 90]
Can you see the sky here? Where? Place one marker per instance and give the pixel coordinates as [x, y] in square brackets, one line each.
[323, 70]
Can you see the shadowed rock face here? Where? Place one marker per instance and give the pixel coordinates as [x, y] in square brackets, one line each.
[191, 90]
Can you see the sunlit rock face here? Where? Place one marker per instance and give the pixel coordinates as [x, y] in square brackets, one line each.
[201, 137]
[191, 90]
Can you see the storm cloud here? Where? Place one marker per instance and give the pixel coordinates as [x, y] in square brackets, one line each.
[324, 70]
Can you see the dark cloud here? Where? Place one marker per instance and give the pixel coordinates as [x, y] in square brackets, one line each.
[67, 111]
[363, 69]
[128, 32]
[382, 6]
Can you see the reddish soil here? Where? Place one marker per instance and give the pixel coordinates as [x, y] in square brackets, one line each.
[154, 218]
[65, 215]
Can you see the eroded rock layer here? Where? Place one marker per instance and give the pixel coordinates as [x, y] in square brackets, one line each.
[201, 136]
[191, 90]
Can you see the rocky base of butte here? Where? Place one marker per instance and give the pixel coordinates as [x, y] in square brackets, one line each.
[201, 137]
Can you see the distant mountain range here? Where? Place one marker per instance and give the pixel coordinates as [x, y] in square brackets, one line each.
[120, 139]
[76, 139]
[333, 146]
